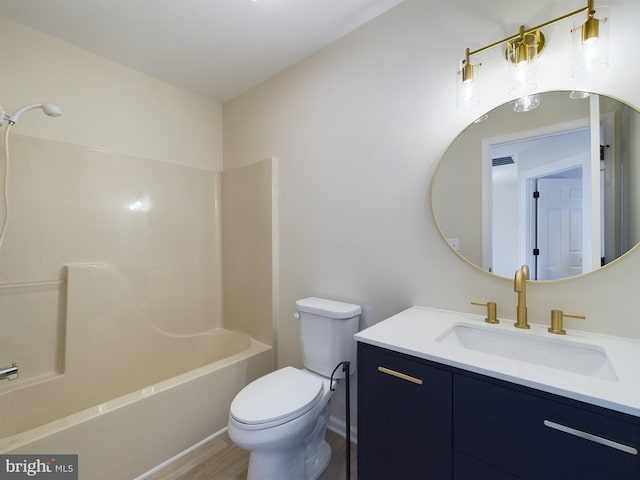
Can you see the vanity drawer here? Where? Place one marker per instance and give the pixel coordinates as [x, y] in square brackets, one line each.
[465, 467]
[534, 437]
[404, 417]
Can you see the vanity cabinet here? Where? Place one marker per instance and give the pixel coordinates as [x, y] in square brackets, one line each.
[535, 437]
[404, 417]
[466, 426]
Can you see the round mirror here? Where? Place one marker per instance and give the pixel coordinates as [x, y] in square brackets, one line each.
[548, 181]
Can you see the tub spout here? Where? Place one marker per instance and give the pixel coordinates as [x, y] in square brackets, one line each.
[10, 373]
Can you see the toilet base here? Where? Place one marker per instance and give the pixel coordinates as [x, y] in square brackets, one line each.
[304, 461]
[319, 462]
[288, 465]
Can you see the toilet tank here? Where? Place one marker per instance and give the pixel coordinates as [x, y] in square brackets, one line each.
[327, 328]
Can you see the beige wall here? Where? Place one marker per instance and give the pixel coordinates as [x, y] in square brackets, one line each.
[247, 238]
[127, 178]
[105, 105]
[633, 172]
[359, 128]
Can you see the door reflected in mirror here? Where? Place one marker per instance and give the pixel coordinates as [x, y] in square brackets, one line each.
[553, 187]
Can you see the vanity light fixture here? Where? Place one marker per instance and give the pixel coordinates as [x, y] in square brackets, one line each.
[591, 44]
[523, 48]
[522, 52]
[466, 83]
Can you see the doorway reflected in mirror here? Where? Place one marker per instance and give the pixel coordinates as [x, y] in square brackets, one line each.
[553, 187]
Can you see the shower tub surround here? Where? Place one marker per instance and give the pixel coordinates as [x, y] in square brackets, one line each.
[132, 434]
[110, 293]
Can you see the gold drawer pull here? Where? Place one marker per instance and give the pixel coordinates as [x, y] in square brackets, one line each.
[403, 376]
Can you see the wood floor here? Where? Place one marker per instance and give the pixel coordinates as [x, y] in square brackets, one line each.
[220, 459]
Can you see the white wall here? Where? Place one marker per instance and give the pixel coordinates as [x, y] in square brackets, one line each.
[359, 128]
[105, 105]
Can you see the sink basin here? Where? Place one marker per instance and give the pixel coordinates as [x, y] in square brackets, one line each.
[583, 359]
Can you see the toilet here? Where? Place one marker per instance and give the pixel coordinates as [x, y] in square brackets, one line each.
[281, 417]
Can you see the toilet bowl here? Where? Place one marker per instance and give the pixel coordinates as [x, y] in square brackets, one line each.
[281, 418]
[284, 431]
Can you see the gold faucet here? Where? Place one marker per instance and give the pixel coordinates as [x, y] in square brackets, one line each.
[520, 287]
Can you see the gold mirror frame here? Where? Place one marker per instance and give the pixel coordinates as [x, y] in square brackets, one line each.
[435, 187]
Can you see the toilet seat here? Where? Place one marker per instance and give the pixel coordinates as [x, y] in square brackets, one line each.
[276, 398]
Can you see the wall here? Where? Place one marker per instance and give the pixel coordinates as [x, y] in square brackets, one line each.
[118, 181]
[633, 174]
[105, 105]
[359, 128]
[248, 223]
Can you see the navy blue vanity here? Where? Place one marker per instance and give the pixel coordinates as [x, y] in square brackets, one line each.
[432, 411]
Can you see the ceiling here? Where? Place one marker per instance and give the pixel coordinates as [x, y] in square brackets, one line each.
[216, 48]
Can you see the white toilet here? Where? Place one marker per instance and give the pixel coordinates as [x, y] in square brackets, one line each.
[281, 418]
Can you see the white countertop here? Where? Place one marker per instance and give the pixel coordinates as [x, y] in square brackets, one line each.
[416, 331]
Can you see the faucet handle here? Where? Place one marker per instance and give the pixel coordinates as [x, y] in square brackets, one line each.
[556, 321]
[492, 311]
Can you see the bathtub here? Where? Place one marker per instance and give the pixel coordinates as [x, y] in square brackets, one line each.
[129, 435]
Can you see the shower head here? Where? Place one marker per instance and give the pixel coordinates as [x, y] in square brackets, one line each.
[47, 108]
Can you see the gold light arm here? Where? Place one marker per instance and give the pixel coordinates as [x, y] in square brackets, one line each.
[467, 69]
[589, 9]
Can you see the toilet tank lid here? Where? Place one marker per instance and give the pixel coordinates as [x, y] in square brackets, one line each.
[328, 308]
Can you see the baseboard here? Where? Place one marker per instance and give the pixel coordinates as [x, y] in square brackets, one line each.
[338, 426]
[181, 454]
[334, 424]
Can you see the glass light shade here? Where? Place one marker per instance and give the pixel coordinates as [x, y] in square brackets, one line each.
[467, 85]
[591, 44]
[578, 95]
[523, 70]
[526, 103]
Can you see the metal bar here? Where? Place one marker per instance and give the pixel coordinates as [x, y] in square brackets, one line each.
[347, 413]
[591, 437]
[403, 376]
[494, 44]
[587, 9]
[42, 283]
[559, 19]
[10, 373]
